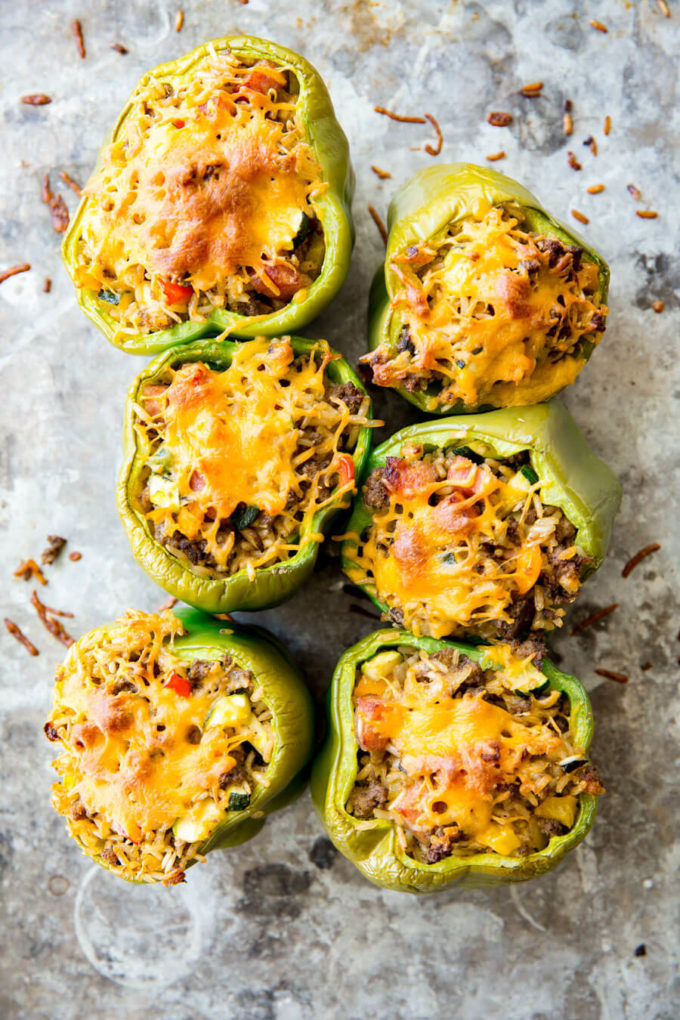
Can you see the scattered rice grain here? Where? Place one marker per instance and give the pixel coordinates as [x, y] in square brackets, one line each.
[398, 117]
[609, 674]
[23, 267]
[639, 557]
[77, 30]
[497, 118]
[378, 222]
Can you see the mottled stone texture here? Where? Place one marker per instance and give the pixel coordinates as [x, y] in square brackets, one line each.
[284, 927]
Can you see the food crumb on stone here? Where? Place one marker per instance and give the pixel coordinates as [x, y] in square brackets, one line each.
[77, 30]
[375, 216]
[497, 118]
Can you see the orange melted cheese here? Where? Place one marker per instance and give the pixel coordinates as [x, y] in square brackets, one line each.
[232, 435]
[235, 431]
[191, 221]
[477, 319]
[201, 186]
[430, 565]
[131, 758]
[453, 728]
[458, 752]
[139, 777]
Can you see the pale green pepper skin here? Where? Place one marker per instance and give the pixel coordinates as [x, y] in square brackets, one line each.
[271, 585]
[420, 212]
[372, 846]
[578, 482]
[334, 207]
[285, 694]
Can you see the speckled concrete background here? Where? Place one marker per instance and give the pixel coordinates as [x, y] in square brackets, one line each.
[284, 928]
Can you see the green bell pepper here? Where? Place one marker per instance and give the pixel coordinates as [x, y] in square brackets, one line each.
[372, 845]
[578, 482]
[421, 211]
[284, 693]
[334, 207]
[271, 585]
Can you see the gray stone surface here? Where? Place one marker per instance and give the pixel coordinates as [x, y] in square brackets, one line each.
[284, 928]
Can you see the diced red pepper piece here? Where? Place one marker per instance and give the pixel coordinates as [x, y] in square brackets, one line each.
[179, 684]
[179, 123]
[367, 718]
[345, 469]
[261, 80]
[176, 293]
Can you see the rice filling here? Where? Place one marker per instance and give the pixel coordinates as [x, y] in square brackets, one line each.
[236, 462]
[158, 747]
[206, 200]
[458, 760]
[460, 542]
[488, 310]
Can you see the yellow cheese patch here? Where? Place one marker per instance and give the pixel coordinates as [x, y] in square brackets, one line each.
[430, 568]
[138, 747]
[205, 185]
[136, 766]
[480, 321]
[451, 729]
[231, 435]
[464, 748]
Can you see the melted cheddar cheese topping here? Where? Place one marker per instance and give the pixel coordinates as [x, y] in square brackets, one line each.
[492, 314]
[200, 197]
[140, 746]
[454, 552]
[453, 757]
[134, 763]
[445, 746]
[219, 440]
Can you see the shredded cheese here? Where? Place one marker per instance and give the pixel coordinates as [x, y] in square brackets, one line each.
[200, 197]
[453, 550]
[260, 435]
[461, 769]
[491, 313]
[140, 750]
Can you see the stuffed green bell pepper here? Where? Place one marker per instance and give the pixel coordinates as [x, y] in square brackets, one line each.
[452, 764]
[483, 524]
[221, 203]
[484, 299]
[179, 734]
[236, 458]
